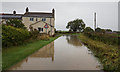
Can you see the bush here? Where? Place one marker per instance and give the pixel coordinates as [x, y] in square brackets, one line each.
[43, 37]
[13, 36]
[39, 36]
[108, 55]
[108, 30]
[16, 23]
[34, 33]
[88, 29]
[110, 39]
[99, 30]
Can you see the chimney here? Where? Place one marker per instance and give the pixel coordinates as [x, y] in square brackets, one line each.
[53, 12]
[27, 10]
[14, 12]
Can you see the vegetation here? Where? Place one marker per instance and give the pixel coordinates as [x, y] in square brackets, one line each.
[111, 39]
[16, 23]
[0, 48]
[0, 59]
[107, 54]
[104, 46]
[13, 36]
[13, 55]
[102, 42]
[99, 30]
[18, 42]
[17, 34]
[88, 30]
[108, 30]
[76, 25]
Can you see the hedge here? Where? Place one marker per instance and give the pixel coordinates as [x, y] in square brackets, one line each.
[111, 39]
[13, 36]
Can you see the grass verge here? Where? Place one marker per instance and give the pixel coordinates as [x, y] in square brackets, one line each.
[0, 59]
[108, 55]
[13, 55]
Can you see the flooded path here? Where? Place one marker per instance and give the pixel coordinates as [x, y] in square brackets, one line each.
[65, 53]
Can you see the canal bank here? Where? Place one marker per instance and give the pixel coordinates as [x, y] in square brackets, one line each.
[13, 55]
[107, 54]
[65, 53]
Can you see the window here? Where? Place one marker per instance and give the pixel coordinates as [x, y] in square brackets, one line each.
[36, 19]
[43, 19]
[31, 19]
[40, 29]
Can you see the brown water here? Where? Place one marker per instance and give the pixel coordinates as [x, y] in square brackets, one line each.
[65, 53]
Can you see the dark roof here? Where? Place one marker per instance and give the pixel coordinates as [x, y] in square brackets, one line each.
[27, 14]
[11, 16]
[38, 14]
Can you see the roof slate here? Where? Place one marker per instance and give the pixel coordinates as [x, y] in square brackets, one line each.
[27, 14]
[38, 14]
[11, 16]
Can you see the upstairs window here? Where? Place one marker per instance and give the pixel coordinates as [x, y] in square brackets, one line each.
[43, 19]
[31, 19]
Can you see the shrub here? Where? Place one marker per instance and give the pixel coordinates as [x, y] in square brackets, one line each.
[16, 23]
[99, 30]
[43, 37]
[107, 54]
[13, 36]
[88, 29]
[110, 39]
[108, 30]
[38, 36]
[35, 33]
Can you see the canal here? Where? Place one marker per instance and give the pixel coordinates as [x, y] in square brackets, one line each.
[65, 53]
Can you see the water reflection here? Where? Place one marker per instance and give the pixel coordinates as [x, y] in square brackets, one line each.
[65, 53]
[45, 52]
[73, 40]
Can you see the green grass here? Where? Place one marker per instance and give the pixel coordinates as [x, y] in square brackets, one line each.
[0, 60]
[13, 55]
[108, 55]
[68, 33]
[0, 54]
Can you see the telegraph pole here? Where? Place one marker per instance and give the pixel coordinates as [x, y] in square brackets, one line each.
[95, 20]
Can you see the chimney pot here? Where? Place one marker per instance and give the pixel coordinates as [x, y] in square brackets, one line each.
[27, 10]
[53, 12]
[14, 12]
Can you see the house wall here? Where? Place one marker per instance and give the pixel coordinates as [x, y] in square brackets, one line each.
[3, 21]
[50, 30]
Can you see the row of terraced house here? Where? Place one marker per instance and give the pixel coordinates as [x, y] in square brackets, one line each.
[42, 21]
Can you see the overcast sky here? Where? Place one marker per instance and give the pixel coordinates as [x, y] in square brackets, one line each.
[107, 12]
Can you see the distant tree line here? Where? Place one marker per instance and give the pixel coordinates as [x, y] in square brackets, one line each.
[78, 25]
[105, 35]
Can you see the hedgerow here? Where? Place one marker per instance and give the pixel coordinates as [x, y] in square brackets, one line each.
[111, 39]
[108, 55]
[13, 36]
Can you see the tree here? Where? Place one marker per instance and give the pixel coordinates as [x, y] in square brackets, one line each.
[76, 25]
[100, 30]
[16, 23]
[108, 30]
[88, 29]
